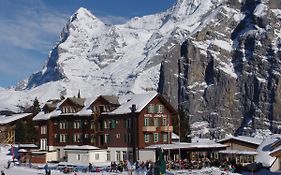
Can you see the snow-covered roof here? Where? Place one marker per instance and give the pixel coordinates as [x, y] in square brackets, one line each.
[43, 116]
[264, 150]
[27, 146]
[228, 151]
[175, 136]
[83, 147]
[140, 100]
[8, 119]
[246, 139]
[275, 150]
[184, 145]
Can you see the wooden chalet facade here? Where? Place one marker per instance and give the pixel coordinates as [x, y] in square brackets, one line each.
[8, 125]
[241, 149]
[105, 122]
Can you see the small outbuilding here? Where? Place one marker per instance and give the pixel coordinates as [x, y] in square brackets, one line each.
[83, 155]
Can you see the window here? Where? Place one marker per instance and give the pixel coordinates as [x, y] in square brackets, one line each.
[164, 121]
[108, 155]
[118, 136]
[43, 144]
[128, 123]
[78, 157]
[146, 121]
[160, 108]
[62, 138]
[106, 138]
[92, 138]
[125, 155]
[106, 124]
[113, 123]
[146, 138]
[155, 137]
[77, 124]
[77, 137]
[118, 155]
[165, 137]
[92, 125]
[156, 122]
[44, 129]
[62, 125]
[86, 136]
[128, 138]
[151, 108]
[97, 156]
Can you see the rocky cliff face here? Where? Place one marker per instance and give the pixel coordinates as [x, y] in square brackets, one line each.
[229, 71]
[218, 60]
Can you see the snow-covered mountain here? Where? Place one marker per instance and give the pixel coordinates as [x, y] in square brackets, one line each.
[217, 58]
[111, 59]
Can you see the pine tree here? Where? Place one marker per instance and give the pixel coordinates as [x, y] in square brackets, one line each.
[36, 106]
[31, 131]
[20, 132]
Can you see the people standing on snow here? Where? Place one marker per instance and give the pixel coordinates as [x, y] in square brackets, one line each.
[8, 164]
[46, 168]
[90, 167]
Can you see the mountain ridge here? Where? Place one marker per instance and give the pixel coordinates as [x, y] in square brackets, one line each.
[190, 53]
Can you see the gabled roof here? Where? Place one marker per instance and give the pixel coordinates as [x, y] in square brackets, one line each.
[245, 139]
[77, 101]
[111, 99]
[8, 119]
[264, 150]
[140, 100]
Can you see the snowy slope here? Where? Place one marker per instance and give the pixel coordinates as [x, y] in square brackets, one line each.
[98, 58]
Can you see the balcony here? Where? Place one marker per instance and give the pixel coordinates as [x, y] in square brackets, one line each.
[166, 128]
[149, 128]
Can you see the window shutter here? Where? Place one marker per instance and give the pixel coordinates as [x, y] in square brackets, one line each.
[156, 108]
[113, 123]
[81, 124]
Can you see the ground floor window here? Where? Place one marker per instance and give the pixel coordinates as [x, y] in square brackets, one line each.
[118, 155]
[43, 144]
[108, 155]
[97, 156]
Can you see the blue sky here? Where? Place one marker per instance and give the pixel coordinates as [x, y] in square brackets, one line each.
[30, 28]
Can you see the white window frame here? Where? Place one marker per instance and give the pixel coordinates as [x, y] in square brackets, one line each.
[146, 138]
[155, 137]
[62, 138]
[146, 121]
[160, 108]
[164, 121]
[43, 144]
[151, 108]
[165, 137]
[118, 136]
[43, 129]
[62, 125]
[77, 137]
[118, 155]
[106, 138]
[77, 124]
